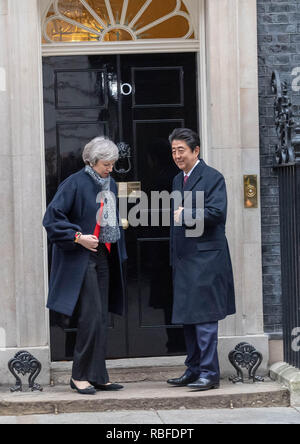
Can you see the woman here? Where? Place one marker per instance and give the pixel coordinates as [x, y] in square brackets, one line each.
[88, 252]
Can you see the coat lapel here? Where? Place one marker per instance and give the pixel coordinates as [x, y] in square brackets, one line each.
[179, 183]
[193, 179]
[195, 176]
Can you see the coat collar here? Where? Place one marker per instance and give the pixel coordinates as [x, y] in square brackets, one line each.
[194, 177]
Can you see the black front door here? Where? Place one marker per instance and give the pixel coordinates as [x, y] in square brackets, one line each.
[138, 100]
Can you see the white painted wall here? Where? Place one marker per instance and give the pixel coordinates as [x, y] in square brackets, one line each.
[22, 191]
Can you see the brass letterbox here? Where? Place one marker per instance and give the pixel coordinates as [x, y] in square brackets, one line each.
[129, 189]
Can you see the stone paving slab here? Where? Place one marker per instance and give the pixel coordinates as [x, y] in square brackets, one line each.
[143, 396]
[271, 415]
[278, 415]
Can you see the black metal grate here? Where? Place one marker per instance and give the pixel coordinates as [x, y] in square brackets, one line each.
[288, 167]
[289, 188]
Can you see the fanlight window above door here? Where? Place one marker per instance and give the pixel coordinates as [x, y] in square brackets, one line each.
[116, 20]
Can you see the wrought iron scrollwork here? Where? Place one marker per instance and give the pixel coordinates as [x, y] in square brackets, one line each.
[124, 157]
[24, 363]
[284, 121]
[245, 356]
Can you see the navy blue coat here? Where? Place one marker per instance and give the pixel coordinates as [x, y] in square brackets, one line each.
[73, 209]
[202, 269]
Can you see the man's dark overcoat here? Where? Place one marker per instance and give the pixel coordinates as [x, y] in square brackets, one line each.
[74, 209]
[202, 269]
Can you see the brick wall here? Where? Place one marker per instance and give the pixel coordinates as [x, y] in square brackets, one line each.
[278, 48]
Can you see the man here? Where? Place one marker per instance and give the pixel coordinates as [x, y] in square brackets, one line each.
[202, 270]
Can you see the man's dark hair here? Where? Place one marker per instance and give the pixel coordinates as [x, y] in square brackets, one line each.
[187, 135]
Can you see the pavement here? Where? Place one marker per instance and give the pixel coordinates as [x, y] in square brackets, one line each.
[271, 415]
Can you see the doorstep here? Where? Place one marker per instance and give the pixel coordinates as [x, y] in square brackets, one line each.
[143, 396]
[128, 370]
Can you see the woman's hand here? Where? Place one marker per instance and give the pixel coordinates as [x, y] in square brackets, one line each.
[89, 242]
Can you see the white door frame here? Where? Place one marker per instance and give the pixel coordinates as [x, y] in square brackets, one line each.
[148, 47]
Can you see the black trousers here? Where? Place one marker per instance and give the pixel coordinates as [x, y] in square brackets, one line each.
[92, 312]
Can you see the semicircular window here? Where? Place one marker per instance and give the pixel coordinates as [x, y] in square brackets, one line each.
[116, 20]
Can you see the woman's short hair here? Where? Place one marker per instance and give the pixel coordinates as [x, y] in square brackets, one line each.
[100, 148]
[187, 135]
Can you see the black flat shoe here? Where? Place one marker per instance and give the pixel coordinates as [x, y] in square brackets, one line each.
[108, 387]
[87, 391]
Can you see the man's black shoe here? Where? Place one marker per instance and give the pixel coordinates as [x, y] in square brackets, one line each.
[183, 381]
[203, 384]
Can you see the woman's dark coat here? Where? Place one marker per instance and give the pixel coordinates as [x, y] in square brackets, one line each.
[74, 209]
[202, 270]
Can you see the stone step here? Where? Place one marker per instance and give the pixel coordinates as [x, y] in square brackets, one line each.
[127, 370]
[143, 396]
[135, 370]
[139, 374]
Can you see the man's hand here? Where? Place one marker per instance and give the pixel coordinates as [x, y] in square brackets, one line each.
[177, 214]
[89, 242]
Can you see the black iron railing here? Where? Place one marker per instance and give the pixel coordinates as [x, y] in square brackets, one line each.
[287, 164]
